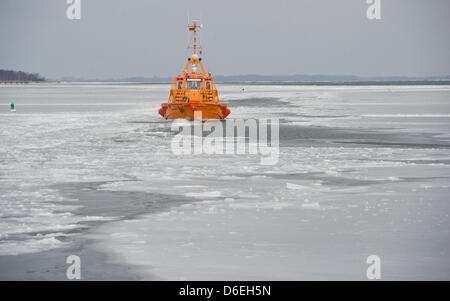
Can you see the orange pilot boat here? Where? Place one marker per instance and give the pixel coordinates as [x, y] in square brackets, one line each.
[194, 91]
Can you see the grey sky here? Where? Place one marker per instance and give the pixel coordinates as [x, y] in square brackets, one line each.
[117, 38]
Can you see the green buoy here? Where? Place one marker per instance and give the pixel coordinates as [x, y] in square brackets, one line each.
[13, 107]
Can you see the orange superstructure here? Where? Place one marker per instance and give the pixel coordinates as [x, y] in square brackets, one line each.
[194, 90]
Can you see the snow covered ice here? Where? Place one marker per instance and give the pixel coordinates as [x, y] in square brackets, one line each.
[362, 170]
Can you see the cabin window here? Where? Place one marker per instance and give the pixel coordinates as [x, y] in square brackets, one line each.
[194, 84]
[180, 85]
[208, 85]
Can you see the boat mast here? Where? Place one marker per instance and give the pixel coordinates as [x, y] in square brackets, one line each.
[194, 29]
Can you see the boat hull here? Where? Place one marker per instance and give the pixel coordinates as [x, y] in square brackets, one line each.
[186, 110]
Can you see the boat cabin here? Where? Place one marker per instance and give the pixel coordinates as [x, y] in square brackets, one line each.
[194, 86]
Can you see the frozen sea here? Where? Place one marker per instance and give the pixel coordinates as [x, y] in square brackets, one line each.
[88, 170]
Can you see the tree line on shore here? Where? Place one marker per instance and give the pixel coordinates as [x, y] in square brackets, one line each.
[11, 75]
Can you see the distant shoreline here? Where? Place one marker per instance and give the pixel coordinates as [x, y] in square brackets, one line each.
[20, 77]
[284, 79]
[347, 83]
[27, 82]
[256, 83]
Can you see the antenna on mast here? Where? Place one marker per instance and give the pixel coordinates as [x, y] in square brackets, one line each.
[188, 35]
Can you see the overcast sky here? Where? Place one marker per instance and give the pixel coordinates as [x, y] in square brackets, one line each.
[117, 38]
